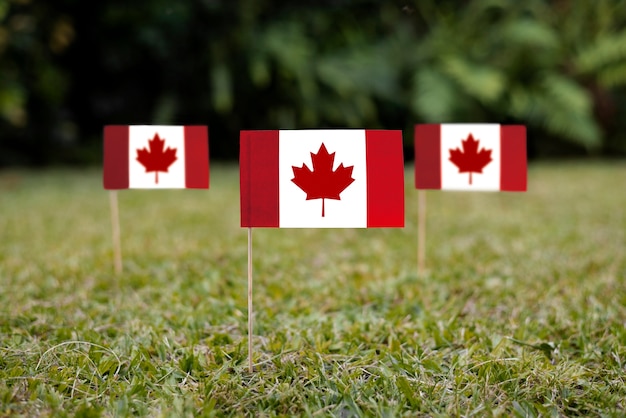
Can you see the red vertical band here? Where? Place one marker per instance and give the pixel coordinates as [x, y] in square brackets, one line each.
[385, 179]
[196, 157]
[513, 171]
[428, 156]
[258, 178]
[115, 166]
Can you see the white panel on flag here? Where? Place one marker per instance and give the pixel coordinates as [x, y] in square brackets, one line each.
[295, 149]
[139, 138]
[488, 137]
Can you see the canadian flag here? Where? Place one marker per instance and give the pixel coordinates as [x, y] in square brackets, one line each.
[156, 157]
[470, 157]
[321, 178]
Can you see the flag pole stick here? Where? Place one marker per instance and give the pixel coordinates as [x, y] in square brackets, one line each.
[250, 369]
[421, 231]
[115, 225]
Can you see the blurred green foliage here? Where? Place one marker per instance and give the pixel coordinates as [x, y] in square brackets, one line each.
[68, 67]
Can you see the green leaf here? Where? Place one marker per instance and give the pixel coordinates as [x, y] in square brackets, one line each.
[482, 82]
[289, 46]
[260, 71]
[566, 93]
[434, 96]
[605, 50]
[613, 76]
[222, 89]
[361, 69]
[4, 9]
[12, 104]
[529, 33]
[568, 111]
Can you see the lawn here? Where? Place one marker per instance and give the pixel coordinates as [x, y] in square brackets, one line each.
[522, 310]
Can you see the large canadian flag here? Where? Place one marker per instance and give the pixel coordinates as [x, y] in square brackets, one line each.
[470, 157]
[322, 178]
[156, 157]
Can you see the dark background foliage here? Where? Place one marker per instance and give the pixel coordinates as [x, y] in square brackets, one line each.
[68, 67]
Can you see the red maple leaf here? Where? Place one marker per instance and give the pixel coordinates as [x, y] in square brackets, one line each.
[156, 159]
[322, 182]
[470, 160]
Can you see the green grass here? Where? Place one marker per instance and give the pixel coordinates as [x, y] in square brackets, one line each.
[522, 311]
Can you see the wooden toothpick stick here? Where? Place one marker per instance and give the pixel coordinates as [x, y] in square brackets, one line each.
[115, 225]
[421, 232]
[250, 369]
